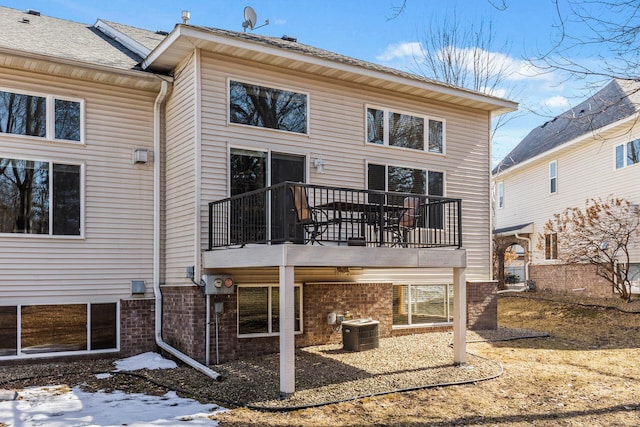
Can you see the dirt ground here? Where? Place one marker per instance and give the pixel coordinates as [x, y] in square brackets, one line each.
[586, 373]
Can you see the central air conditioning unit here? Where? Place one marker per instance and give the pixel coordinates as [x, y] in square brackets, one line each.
[215, 284]
[360, 334]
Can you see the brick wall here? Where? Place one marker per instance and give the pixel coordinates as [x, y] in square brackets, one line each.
[570, 279]
[137, 326]
[482, 305]
[360, 300]
[183, 320]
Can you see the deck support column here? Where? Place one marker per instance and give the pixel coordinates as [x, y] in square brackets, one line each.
[287, 336]
[459, 316]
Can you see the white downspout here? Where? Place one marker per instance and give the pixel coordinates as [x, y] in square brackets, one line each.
[526, 265]
[156, 243]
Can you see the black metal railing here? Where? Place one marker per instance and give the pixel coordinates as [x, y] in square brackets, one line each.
[313, 214]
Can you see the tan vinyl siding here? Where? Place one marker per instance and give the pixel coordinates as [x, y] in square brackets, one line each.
[180, 169]
[337, 134]
[118, 200]
[584, 170]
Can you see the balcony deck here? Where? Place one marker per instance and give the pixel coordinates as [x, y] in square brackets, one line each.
[311, 215]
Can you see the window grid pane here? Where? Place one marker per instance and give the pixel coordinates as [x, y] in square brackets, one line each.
[51, 328]
[436, 136]
[266, 107]
[24, 196]
[375, 126]
[23, 114]
[633, 152]
[406, 131]
[67, 120]
[253, 310]
[422, 304]
[619, 156]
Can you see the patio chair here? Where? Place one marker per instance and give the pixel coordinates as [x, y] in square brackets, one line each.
[407, 219]
[310, 218]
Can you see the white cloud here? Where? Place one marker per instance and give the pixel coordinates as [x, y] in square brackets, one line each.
[556, 102]
[402, 51]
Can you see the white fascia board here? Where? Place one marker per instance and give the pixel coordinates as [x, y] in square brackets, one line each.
[564, 146]
[195, 33]
[121, 38]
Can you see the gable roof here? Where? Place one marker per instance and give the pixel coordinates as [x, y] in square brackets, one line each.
[616, 101]
[288, 53]
[32, 33]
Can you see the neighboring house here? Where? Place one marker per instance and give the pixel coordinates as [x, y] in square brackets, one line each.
[174, 131]
[590, 151]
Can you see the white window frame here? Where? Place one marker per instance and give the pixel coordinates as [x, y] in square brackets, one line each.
[553, 177]
[268, 86]
[625, 155]
[447, 302]
[551, 247]
[50, 132]
[50, 235]
[270, 316]
[500, 194]
[386, 111]
[20, 355]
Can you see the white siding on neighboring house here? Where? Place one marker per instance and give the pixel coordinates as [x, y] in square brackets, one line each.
[337, 134]
[584, 170]
[117, 245]
[180, 175]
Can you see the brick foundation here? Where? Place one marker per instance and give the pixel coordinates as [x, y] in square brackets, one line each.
[360, 300]
[482, 305]
[183, 320]
[137, 326]
[570, 279]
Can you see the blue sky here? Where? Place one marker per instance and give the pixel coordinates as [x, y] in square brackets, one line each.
[362, 29]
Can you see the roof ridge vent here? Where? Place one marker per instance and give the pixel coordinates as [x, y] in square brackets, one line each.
[289, 38]
[33, 12]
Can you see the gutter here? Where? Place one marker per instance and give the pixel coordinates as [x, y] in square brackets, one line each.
[156, 244]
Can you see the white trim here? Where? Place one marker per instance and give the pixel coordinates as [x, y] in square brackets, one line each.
[121, 38]
[88, 323]
[50, 235]
[269, 86]
[386, 111]
[200, 35]
[587, 137]
[553, 178]
[270, 302]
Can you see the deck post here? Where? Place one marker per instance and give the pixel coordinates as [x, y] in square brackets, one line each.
[459, 316]
[287, 337]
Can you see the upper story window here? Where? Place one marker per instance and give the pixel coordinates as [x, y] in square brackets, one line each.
[40, 198]
[629, 152]
[501, 194]
[385, 127]
[41, 116]
[553, 177]
[266, 107]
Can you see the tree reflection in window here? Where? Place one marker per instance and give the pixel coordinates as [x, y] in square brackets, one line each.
[406, 131]
[23, 114]
[67, 115]
[25, 199]
[268, 107]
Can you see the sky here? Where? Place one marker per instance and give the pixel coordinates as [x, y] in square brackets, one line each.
[57, 405]
[372, 30]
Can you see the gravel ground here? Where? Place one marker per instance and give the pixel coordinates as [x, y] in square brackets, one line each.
[324, 374]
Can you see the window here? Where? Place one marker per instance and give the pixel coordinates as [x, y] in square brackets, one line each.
[58, 328]
[629, 151]
[551, 246]
[553, 177]
[259, 310]
[40, 198]
[266, 107]
[23, 114]
[501, 194]
[409, 180]
[385, 127]
[415, 304]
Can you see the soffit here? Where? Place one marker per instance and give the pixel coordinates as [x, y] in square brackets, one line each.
[184, 39]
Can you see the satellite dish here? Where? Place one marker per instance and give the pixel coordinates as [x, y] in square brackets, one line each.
[250, 18]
